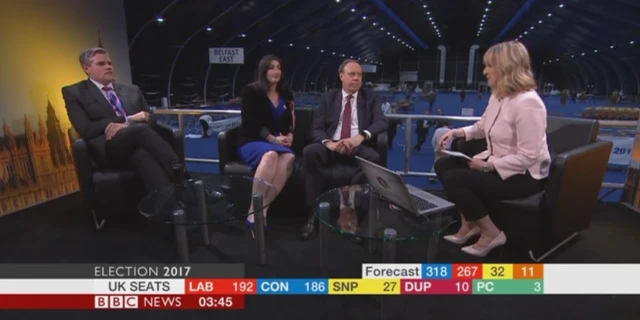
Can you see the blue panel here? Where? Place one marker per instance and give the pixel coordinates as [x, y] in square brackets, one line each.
[515, 19]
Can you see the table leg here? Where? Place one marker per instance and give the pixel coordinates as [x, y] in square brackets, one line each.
[182, 243]
[323, 215]
[258, 217]
[389, 246]
[432, 248]
[373, 215]
[202, 207]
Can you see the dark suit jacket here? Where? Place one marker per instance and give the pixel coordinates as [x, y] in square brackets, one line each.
[327, 115]
[257, 115]
[90, 112]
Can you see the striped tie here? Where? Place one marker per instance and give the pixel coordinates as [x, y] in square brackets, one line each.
[115, 102]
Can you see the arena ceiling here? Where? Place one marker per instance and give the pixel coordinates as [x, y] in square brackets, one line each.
[170, 34]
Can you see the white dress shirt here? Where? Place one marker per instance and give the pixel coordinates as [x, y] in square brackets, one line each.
[350, 202]
[104, 93]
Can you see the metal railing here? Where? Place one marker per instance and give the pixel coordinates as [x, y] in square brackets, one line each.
[408, 118]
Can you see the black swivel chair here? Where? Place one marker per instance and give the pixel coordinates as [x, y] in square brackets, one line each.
[544, 222]
[109, 192]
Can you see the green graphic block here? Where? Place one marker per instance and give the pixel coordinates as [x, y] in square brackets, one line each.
[509, 286]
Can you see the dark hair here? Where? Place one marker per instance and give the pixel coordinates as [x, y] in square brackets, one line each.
[347, 61]
[262, 82]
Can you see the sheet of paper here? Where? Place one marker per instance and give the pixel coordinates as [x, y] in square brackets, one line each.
[456, 154]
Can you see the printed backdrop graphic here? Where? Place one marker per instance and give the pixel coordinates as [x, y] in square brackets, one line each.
[41, 41]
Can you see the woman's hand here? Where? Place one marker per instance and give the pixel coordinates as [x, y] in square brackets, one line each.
[477, 164]
[445, 139]
[289, 140]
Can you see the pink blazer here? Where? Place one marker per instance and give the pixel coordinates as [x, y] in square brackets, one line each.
[515, 129]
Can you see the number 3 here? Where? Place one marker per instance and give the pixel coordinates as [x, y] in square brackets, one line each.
[536, 287]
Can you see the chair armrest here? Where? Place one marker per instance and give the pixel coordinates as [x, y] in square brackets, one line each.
[572, 188]
[83, 165]
[174, 136]
[382, 148]
[227, 146]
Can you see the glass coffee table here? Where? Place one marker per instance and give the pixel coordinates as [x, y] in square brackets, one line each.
[208, 200]
[358, 212]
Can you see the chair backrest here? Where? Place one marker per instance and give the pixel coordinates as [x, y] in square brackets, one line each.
[565, 134]
[302, 131]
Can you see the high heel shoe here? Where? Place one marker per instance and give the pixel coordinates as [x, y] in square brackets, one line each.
[500, 240]
[251, 226]
[461, 240]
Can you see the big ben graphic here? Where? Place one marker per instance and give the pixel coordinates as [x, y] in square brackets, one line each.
[36, 165]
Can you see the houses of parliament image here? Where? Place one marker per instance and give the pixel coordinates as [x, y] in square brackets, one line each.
[37, 165]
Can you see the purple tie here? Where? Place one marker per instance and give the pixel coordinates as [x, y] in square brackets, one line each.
[114, 101]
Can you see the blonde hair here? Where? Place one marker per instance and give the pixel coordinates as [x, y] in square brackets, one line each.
[512, 60]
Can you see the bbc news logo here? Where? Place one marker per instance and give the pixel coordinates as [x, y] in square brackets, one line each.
[116, 302]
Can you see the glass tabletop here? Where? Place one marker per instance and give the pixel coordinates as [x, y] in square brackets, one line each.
[205, 200]
[360, 212]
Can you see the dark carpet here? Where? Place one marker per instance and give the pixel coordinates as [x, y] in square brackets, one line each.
[60, 235]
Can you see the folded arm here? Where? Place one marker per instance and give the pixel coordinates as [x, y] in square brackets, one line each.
[87, 128]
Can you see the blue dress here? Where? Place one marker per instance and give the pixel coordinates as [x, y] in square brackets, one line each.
[251, 152]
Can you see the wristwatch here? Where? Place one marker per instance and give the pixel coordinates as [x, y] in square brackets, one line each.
[485, 169]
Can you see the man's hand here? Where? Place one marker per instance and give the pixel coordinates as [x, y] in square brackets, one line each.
[352, 143]
[332, 146]
[113, 128]
[141, 116]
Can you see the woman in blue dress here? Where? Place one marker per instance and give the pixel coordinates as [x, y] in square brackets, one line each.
[266, 133]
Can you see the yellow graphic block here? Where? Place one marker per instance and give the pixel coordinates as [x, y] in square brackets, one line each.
[497, 271]
[364, 286]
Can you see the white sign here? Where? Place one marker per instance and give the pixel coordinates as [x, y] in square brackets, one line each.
[226, 55]
[467, 112]
[369, 68]
[621, 152]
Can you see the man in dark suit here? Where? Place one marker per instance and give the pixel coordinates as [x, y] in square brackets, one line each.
[343, 127]
[113, 119]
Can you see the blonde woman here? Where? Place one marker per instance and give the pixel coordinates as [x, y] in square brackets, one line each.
[517, 160]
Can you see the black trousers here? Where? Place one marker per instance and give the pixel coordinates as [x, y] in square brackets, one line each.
[316, 157]
[141, 148]
[422, 137]
[473, 191]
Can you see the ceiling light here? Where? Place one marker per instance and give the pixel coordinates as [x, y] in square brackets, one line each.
[583, 53]
[322, 51]
[532, 28]
[209, 29]
[307, 48]
[364, 17]
[486, 10]
[270, 40]
[424, 6]
[632, 42]
[353, 10]
[160, 19]
[388, 33]
[611, 47]
[290, 44]
[381, 29]
[539, 21]
[561, 5]
[334, 53]
[428, 13]
[596, 51]
[548, 14]
[243, 35]
[375, 23]
[557, 59]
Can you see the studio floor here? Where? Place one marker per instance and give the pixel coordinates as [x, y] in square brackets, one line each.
[63, 235]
